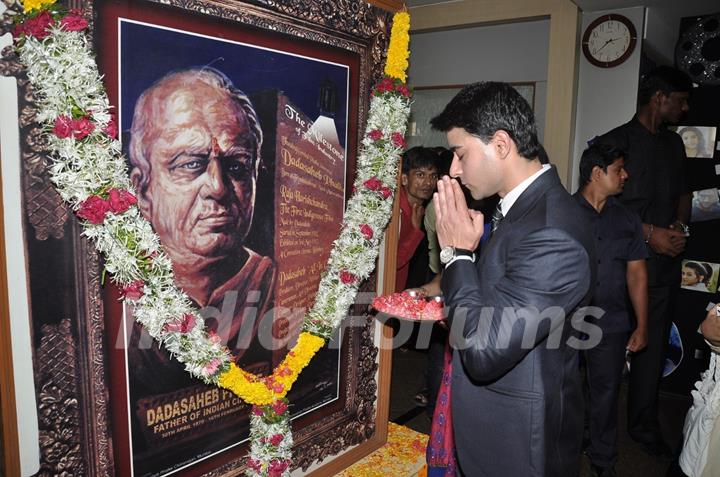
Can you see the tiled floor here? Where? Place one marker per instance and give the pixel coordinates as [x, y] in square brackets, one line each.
[407, 379]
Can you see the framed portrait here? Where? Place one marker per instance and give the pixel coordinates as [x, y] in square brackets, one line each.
[705, 205]
[429, 101]
[699, 275]
[699, 141]
[240, 123]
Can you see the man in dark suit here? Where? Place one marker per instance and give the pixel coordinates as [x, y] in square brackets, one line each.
[516, 395]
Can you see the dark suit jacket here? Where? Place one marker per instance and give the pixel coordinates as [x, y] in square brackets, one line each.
[517, 408]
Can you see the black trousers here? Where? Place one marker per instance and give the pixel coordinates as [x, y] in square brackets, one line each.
[646, 368]
[604, 366]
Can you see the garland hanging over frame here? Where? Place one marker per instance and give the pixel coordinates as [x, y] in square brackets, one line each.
[90, 174]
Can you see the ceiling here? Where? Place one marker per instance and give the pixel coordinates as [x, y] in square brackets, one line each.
[663, 17]
[595, 5]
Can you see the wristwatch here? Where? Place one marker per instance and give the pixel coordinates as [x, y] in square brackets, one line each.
[448, 253]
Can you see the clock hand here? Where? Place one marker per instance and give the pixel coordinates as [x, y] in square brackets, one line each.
[606, 43]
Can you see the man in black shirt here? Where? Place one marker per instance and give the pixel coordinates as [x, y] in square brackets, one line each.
[657, 191]
[621, 270]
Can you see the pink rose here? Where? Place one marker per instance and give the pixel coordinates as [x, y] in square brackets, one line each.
[213, 337]
[63, 127]
[211, 367]
[367, 231]
[185, 325]
[347, 278]
[373, 183]
[276, 439]
[74, 21]
[134, 290]
[111, 129]
[38, 26]
[375, 134]
[93, 209]
[82, 128]
[398, 139]
[386, 192]
[257, 410]
[278, 387]
[120, 200]
[279, 407]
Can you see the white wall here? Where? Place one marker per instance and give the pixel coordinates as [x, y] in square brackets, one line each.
[26, 410]
[606, 97]
[512, 52]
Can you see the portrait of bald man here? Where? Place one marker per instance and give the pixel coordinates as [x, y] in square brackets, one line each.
[194, 152]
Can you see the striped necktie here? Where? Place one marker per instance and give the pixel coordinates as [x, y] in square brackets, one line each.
[496, 218]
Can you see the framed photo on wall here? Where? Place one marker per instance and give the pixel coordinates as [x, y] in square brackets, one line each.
[429, 101]
[253, 181]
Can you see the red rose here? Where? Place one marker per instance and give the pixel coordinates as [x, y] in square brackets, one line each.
[279, 407]
[93, 209]
[375, 134]
[373, 183]
[367, 231]
[74, 21]
[38, 26]
[384, 86]
[278, 387]
[63, 127]
[120, 200]
[19, 30]
[276, 439]
[277, 467]
[254, 464]
[347, 278]
[386, 192]
[134, 290]
[82, 127]
[257, 410]
[402, 89]
[111, 129]
[398, 140]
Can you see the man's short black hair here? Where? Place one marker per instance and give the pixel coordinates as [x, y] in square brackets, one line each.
[482, 109]
[600, 155]
[418, 156]
[665, 79]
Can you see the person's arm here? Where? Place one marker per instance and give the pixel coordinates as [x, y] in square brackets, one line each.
[664, 241]
[431, 288]
[410, 237]
[710, 328]
[684, 208]
[637, 281]
[547, 273]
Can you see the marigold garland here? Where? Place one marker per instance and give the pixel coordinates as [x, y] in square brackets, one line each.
[262, 391]
[398, 52]
[90, 174]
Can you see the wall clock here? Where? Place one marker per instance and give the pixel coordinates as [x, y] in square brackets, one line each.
[698, 50]
[609, 40]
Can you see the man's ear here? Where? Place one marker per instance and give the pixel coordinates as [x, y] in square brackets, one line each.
[502, 143]
[144, 201]
[596, 173]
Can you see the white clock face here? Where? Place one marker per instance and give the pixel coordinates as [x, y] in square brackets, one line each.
[608, 41]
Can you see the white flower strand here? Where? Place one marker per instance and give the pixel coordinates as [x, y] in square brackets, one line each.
[65, 74]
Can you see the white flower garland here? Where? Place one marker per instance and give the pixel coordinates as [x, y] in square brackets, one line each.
[85, 169]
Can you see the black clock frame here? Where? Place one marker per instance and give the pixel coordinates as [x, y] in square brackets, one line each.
[631, 47]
